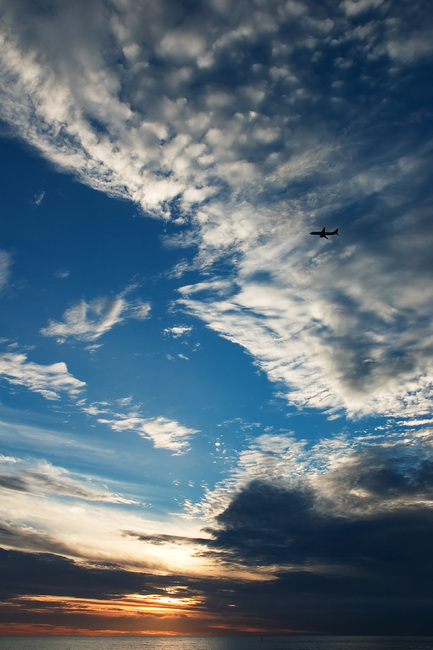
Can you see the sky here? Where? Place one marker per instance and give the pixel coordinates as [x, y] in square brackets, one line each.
[212, 422]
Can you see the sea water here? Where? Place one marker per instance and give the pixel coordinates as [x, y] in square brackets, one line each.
[217, 643]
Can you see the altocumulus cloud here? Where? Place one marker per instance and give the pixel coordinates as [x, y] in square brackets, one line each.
[249, 126]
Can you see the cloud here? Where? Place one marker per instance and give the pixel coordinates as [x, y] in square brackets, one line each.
[177, 331]
[38, 198]
[5, 264]
[106, 598]
[328, 326]
[119, 127]
[50, 381]
[361, 475]
[62, 274]
[250, 137]
[68, 578]
[342, 545]
[88, 321]
[47, 478]
[45, 509]
[334, 522]
[164, 433]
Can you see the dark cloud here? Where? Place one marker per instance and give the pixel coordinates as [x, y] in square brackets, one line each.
[349, 552]
[369, 511]
[166, 539]
[44, 573]
[13, 483]
[359, 541]
[24, 537]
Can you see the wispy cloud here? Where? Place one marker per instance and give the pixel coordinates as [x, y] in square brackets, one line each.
[88, 321]
[164, 433]
[5, 266]
[62, 274]
[38, 198]
[46, 478]
[51, 381]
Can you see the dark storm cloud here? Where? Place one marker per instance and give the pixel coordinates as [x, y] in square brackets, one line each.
[364, 529]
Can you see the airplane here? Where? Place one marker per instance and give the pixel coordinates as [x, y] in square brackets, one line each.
[322, 233]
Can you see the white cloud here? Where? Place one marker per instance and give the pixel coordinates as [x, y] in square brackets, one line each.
[164, 433]
[313, 330]
[8, 459]
[256, 155]
[177, 331]
[88, 321]
[77, 528]
[355, 7]
[50, 381]
[139, 310]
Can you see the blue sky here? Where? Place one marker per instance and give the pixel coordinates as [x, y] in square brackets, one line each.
[198, 398]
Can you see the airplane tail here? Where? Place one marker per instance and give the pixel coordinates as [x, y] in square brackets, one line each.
[335, 232]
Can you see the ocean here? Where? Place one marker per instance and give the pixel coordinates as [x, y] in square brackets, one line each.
[217, 643]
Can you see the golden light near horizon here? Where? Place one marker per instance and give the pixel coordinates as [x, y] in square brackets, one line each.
[132, 604]
[133, 614]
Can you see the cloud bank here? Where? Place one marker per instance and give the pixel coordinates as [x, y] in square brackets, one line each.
[331, 539]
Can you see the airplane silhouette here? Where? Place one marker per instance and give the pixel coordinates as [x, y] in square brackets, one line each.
[322, 233]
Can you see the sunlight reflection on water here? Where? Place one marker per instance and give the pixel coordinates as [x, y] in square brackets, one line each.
[217, 643]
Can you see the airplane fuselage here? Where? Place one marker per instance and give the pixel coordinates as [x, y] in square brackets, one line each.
[323, 233]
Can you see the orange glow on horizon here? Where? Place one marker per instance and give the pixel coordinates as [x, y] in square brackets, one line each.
[132, 615]
[41, 629]
[129, 605]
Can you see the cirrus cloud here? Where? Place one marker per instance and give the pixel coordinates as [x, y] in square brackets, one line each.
[88, 321]
[51, 381]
